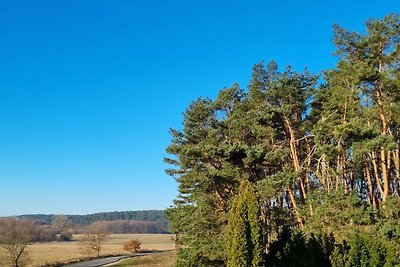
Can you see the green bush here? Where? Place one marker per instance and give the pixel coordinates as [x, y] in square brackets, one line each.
[294, 248]
[366, 250]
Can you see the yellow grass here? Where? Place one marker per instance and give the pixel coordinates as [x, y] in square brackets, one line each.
[53, 252]
[165, 259]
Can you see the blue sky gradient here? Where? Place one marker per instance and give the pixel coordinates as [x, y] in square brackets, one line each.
[89, 88]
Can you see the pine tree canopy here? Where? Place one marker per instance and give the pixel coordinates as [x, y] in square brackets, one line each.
[297, 164]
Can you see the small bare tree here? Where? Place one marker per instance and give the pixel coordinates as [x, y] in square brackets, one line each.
[61, 225]
[15, 237]
[93, 240]
[132, 245]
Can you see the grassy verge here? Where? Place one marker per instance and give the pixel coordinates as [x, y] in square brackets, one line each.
[166, 259]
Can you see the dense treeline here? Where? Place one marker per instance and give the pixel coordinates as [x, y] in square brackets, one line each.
[129, 227]
[323, 157]
[145, 215]
[82, 220]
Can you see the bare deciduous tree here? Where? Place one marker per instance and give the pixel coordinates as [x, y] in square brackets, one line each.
[93, 240]
[60, 224]
[15, 237]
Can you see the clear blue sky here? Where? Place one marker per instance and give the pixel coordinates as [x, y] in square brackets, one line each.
[89, 88]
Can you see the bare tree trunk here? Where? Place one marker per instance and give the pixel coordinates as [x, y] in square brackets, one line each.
[295, 158]
[295, 208]
[379, 101]
[221, 201]
[396, 158]
[371, 195]
[352, 180]
[344, 174]
[337, 173]
[307, 170]
[324, 170]
[385, 130]
[376, 172]
[385, 175]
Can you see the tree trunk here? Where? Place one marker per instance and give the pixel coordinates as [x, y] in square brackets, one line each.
[344, 174]
[307, 171]
[324, 172]
[294, 207]
[221, 201]
[295, 158]
[371, 195]
[376, 172]
[352, 179]
[385, 130]
[337, 183]
[385, 175]
[396, 158]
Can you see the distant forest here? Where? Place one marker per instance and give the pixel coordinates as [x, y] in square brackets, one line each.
[145, 221]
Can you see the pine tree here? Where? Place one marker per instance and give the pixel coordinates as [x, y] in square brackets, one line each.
[316, 156]
[369, 67]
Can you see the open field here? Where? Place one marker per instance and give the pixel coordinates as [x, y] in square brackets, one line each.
[166, 259]
[53, 252]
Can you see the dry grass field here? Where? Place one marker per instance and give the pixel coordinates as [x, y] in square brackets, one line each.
[53, 252]
[166, 259]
